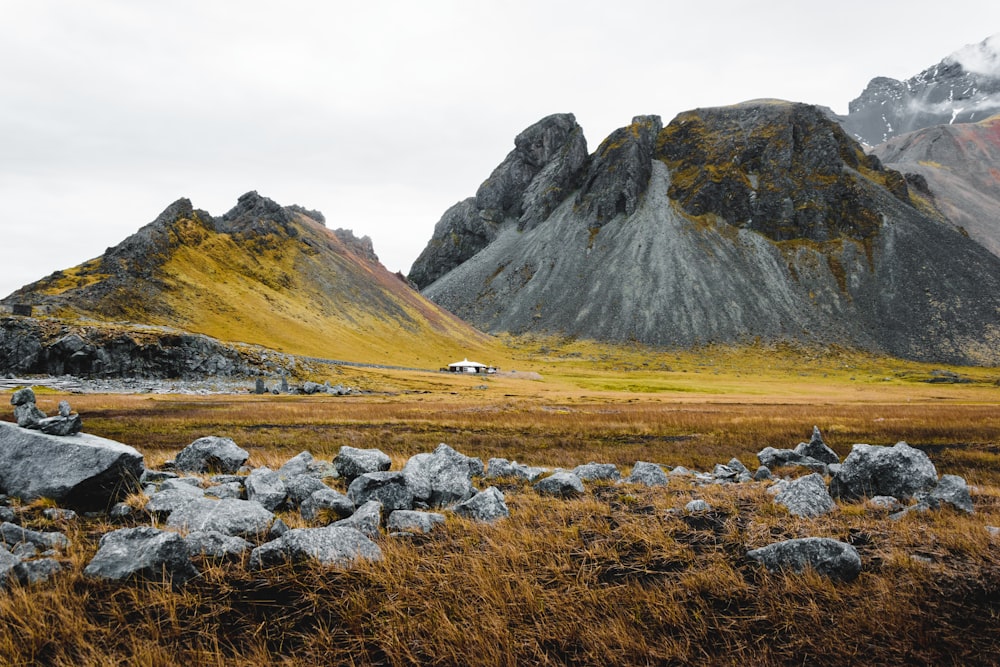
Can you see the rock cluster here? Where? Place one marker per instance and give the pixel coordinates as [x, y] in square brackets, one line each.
[28, 415]
[210, 505]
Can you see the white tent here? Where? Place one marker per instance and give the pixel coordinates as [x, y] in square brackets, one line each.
[466, 366]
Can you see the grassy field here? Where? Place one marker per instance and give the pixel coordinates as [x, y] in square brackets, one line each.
[613, 577]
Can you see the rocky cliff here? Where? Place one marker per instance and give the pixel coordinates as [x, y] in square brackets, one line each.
[962, 88]
[760, 220]
[261, 273]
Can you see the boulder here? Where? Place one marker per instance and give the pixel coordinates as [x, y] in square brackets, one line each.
[82, 471]
[647, 474]
[950, 490]
[899, 471]
[560, 484]
[243, 518]
[12, 535]
[8, 562]
[336, 546]
[227, 490]
[216, 545]
[265, 486]
[502, 468]
[142, 553]
[352, 462]
[829, 557]
[488, 505]
[442, 477]
[762, 474]
[36, 571]
[698, 505]
[817, 449]
[211, 454]
[304, 463]
[806, 496]
[389, 488]
[887, 503]
[366, 519]
[164, 502]
[326, 501]
[407, 521]
[773, 458]
[592, 472]
[299, 487]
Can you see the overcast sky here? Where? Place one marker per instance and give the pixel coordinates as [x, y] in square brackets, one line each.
[381, 114]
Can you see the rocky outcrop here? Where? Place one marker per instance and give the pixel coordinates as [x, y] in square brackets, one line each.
[962, 88]
[761, 220]
[82, 471]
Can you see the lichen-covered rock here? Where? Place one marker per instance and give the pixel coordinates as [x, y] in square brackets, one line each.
[162, 503]
[367, 518]
[502, 468]
[591, 472]
[332, 546]
[831, 558]
[142, 553]
[772, 458]
[951, 490]
[352, 462]
[647, 474]
[211, 454]
[697, 505]
[299, 487]
[404, 521]
[37, 571]
[806, 496]
[442, 477]
[560, 484]
[266, 487]
[817, 449]
[899, 471]
[12, 535]
[326, 502]
[80, 472]
[216, 545]
[389, 488]
[230, 516]
[8, 562]
[488, 505]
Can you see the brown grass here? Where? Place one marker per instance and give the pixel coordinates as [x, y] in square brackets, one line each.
[618, 576]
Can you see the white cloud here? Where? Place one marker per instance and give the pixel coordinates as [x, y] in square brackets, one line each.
[982, 58]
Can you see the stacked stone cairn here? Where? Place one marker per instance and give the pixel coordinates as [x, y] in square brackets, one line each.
[207, 505]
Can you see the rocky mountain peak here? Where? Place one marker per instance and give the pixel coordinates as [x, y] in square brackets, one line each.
[963, 88]
[785, 170]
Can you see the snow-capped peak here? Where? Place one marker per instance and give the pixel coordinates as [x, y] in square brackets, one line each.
[982, 58]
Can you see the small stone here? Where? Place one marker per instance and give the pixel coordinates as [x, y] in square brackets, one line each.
[698, 505]
[487, 505]
[413, 522]
[561, 485]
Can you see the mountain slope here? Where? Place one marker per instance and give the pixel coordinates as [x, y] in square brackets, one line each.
[960, 167]
[963, 88]
[262, 274]
[761, 220]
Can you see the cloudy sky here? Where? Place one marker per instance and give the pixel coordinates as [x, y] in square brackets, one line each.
[381, 114]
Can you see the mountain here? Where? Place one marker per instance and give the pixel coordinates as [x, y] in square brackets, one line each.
[962, 88]
[264, 274]
[760, 220]
[958, 166]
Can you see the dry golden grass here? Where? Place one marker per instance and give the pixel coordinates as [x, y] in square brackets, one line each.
[618, 576]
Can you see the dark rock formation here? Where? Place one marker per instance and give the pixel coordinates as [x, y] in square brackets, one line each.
[962, 88]
[761, 220]
[81, 471]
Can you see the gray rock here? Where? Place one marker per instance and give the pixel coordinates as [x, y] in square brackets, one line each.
[698, 505]
[817, 449]
[326, 502]
[244, 518]
[299, 487]
[232, 490]
[647, 474]
[23, 396]
[352, 462]
[211, 454]
[560, 484]
[8, 514]
[831, 558]
[773, 458]
[389, 488]
[60, 425]
[156, 476]
[12, 534]
[120, 511]
[142, 553]
[265, 486]
[725, 473]
[591, 472]
[28, 415]
[994, 531]
[443, 477]
[216, 545]
[300, 464]
[680, 471]
[180, 483]
[916, 508]
[366, 519]
[58, 514]
[165, 502]
[406, 521]
[81, 472]
[37, 571]
[8, 563]
[737, 465]
[806, 496]
[899, 471]
[278, 528]
[488, 505]
[762, 474]
[502, 468]
[885, 503]
[950, 490]
[226, 479]
[334, 546]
